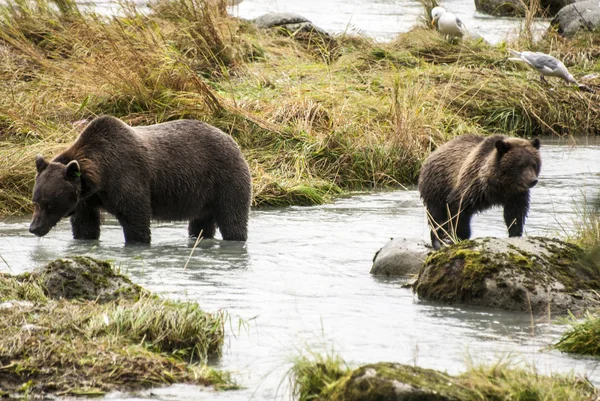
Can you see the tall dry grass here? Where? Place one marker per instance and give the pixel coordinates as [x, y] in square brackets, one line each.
[310, 126]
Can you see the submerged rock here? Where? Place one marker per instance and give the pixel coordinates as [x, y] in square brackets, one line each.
[526, 274]
[516, 7]
[397, 259]
[580, 16]
[83, 277]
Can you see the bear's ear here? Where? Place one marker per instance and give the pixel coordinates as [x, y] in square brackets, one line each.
[40, 163]
[502, 146]
[72, 171]
[535, 142]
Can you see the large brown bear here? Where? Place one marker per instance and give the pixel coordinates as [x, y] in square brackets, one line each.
[470, 174]
[178, 170]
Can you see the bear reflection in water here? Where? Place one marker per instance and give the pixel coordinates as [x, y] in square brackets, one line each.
[178, 170]
[470, 174]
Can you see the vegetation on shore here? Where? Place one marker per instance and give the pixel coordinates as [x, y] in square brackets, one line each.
[313, 120]
[51, 344]
[327, 378]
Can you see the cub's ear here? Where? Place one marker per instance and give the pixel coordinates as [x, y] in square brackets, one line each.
[502, 146]
[72, 171]
[535, 142]
[40, 163]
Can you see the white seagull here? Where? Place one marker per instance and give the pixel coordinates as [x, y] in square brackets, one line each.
[545, 64]
[448, 23]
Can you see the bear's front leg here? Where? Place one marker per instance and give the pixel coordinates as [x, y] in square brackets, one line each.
[85, 220]
[135, 217]
[515, 212]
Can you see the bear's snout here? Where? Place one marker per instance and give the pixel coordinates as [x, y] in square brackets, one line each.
[533, 183]
[38, 230]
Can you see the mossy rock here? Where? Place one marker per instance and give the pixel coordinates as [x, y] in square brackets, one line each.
[82, 277]
[393, 381]
[524, 274]
[387, 381]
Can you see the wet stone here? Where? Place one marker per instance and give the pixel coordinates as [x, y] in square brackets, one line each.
[399, 257]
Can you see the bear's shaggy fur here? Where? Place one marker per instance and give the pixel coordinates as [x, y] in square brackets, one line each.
[178, 170]
[470, 174]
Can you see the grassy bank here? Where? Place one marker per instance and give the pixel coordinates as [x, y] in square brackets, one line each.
[49, 344]
[327, 378]
[312, 120]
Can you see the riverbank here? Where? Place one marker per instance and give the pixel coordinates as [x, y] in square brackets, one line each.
[312, 121]
[78, 327]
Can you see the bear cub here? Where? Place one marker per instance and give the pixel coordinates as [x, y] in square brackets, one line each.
[470, 174]
[178, 170]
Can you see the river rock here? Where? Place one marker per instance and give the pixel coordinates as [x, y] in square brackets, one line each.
[515, 7]
[294, 24]
[85, 278]
[582, 15]
[523, 274]
[397, 259]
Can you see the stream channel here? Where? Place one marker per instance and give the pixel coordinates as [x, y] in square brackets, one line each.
[302, 281]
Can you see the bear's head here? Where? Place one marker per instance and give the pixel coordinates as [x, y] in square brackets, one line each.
[55, 194]
[519, 163]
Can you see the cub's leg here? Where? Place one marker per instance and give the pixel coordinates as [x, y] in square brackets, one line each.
[515, 212]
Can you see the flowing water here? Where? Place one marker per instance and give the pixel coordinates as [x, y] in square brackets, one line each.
[302, 279]
[383, 19]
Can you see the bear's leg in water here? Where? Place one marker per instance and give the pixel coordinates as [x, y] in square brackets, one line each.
[134, 217]
[85, 221]
[515, 212]
[207, 225]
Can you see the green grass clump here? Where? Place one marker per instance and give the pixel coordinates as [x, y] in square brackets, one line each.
[327, 378]
[316, 376]
[582, 338]
[81, 347]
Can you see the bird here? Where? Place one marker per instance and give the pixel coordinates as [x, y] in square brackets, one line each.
[545, 64]
[448, 24]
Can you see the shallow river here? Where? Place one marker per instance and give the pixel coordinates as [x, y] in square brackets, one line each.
[382, 19]
[302, 279]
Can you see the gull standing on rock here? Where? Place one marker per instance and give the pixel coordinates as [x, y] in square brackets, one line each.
[545, 64]
[448, 23]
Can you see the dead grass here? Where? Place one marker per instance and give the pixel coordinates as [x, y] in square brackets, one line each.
[312, 122]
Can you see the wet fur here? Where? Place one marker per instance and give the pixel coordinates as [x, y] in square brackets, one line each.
[179, 170]
[471, 174]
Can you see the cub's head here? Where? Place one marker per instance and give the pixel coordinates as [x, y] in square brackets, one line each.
[55, 194]
[519, 163]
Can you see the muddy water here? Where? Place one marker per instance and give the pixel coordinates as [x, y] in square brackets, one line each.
[302, 279]
[382, 19]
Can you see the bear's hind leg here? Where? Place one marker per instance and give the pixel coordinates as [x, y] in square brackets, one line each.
[463, 225]
[205, 225]
[85, 222]
[233, 226]
[438, 224]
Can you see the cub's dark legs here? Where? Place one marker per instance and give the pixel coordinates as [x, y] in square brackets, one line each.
[207, 225]
[515, 212]
[445, 226]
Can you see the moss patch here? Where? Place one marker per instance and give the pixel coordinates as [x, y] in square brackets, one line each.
[85, 347]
